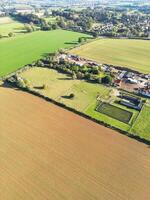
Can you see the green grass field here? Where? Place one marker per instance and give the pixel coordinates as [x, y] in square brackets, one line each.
[8, 25]
[121, 52]
[60, 86]
[19, 51]
[142, 125]
[57, 83]
[85, 95]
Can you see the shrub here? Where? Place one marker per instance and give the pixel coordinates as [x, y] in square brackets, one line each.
[10, 34]
[71, 96]
[107, 79]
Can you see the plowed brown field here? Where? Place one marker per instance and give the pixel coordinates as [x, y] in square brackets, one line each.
[48, 153]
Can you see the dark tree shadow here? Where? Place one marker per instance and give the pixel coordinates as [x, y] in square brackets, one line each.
[65, 78]
[48, 54]
[66, 97]
[38, 87]
[70, 43]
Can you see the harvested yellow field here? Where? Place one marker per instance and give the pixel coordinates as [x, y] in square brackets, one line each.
[133, 54]
[48, 153]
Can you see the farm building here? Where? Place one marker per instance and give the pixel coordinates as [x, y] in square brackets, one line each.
[132, 80]
[131, 102]
[129, 75]
[145, 91]
[122, 74]
[117, 82]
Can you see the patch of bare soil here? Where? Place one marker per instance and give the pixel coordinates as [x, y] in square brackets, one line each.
[48, 153]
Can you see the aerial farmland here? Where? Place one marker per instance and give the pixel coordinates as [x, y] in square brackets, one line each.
[32, 46]
[48, 152]
[74, 100]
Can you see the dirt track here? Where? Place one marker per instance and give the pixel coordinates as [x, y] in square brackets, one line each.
[48, 153]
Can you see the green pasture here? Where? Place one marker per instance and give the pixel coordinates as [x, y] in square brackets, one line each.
[56, 83]
[142, 124]
[59, 86]
[85, 94]
[19, 51]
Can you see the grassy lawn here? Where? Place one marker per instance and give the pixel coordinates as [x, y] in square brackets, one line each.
[142, 125]
[19, 51]
[8, 25]
[122, 52]
[85, 94]
[60, 86]
[57, 83]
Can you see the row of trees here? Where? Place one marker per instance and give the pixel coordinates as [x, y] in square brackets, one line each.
[87, 72]
[33, 22]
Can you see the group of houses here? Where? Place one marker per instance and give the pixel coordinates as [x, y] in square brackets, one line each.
[77, 60]
[145, 91]
[124, 78]
[134, 82]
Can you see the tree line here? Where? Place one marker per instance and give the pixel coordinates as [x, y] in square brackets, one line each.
[88, 72]
[33, 22]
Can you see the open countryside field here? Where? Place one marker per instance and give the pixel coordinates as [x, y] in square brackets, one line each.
[142, 125]
[8, 25]
[133, 54]
[19, 51]
[59, 86]
[47, 152]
